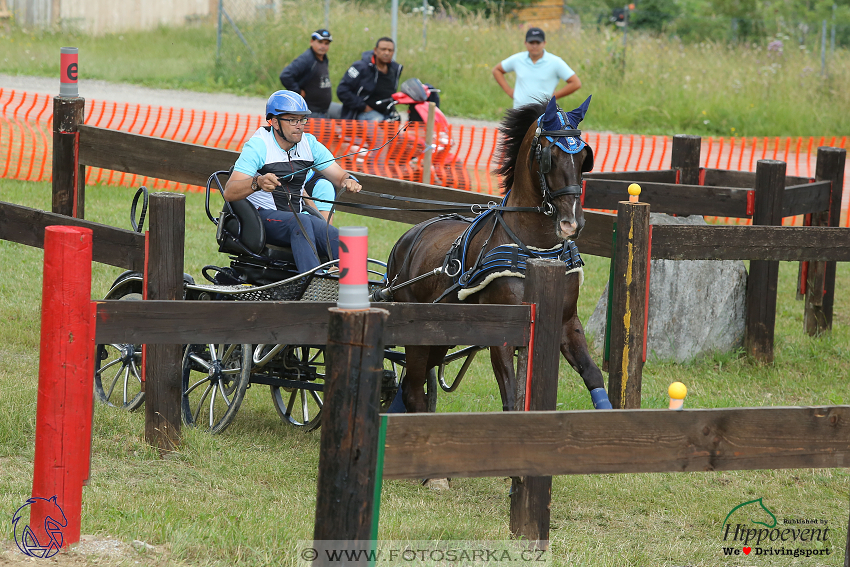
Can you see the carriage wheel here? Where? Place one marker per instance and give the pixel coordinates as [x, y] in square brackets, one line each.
[215, 378]
[391, 378]
[118, 369]
[301, 407]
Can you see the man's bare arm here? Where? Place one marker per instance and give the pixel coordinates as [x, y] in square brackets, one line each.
[573, 84]
[499, 75]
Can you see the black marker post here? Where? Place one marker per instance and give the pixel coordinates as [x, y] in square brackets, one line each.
[69, 183]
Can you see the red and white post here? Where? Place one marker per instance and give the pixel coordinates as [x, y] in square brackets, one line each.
[65, 380]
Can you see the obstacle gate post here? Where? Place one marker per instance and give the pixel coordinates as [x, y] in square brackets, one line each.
[531, 496]
[429, 141]
[820, 276]
[65, 380]
[164, 281]
[628, 302]
[350, 424]
[764, 274]
[684, 158]
[69, 177]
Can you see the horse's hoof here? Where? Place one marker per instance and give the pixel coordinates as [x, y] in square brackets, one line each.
[436, 483]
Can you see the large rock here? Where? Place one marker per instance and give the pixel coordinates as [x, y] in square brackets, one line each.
[696, 307]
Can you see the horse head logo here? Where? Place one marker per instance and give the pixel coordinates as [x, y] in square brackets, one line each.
[54, 521]
[753, 509]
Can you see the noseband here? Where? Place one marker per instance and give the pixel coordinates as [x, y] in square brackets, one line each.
[543, 156]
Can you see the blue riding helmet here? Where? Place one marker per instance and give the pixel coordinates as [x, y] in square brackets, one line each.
[286, 102]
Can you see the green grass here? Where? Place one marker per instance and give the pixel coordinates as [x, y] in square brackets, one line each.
[665, 87]
[246, 496]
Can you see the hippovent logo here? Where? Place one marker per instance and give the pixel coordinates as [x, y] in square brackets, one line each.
[51, 540]
[751, 528]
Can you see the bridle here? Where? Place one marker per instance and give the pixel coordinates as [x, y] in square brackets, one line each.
[543, 156]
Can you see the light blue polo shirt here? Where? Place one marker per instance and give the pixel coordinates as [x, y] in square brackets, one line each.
[536, 81]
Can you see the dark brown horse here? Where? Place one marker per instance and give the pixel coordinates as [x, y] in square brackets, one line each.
[542, 158]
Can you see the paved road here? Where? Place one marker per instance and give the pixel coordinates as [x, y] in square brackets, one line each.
[121, 92]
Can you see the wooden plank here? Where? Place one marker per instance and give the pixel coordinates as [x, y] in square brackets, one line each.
[830, 167]
[304, 322]
[628, 303]
[68, 114]
[742, 179]
[152, 157]
[806, 198]
[531, 496]
[763, 276]
[782, 243]
[113, 246]
[193, 164]
[595, 237]
[616, 441]
[669, 198]
[400, 188]
[657, 176]
[348, 456]
[163, 363]
[684, 158]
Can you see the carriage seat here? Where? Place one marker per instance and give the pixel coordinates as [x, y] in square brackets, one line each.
[241, 233]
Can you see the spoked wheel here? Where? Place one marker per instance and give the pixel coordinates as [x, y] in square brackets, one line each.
[391, 378]
[296, 405]
[118, 368]
[215, 378]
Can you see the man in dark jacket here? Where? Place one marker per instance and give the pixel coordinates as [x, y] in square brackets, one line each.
[367, 87]
[308, 75]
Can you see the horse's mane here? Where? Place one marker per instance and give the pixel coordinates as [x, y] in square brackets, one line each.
[513, 128]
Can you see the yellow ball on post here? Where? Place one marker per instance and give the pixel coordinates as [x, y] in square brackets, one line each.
[677, 392]
[634, 192]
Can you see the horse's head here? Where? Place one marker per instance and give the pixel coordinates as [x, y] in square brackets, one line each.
[557, 158]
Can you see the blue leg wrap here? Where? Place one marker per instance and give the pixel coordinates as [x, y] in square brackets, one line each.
[398, 404]
[600, 399]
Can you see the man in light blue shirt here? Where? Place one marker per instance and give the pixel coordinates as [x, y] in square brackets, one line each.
[538, 72]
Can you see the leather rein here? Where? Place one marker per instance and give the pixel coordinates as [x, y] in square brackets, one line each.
[543, 156]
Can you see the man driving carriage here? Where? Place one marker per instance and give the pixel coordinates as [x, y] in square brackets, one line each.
[271, 172]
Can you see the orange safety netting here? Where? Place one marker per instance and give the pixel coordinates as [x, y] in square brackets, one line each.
[463, 157]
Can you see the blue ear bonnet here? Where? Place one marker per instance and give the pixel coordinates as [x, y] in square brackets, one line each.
[556, 119]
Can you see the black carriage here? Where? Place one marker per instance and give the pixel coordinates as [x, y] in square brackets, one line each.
[215, 377]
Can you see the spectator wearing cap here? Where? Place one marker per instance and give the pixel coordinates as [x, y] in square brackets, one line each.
[308, 74]
[538, 72]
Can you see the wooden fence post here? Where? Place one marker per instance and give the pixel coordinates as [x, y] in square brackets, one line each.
[531, 496]
[65, 382]
[164, 281]
[764, 274]
[628, 300]
[350, 425]
[685, 158]
[429, 141]
[820, 280]
[69, 177]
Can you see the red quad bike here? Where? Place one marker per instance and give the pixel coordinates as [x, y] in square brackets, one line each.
[417, 95]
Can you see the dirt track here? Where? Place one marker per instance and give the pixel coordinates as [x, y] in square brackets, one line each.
[104, 552]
